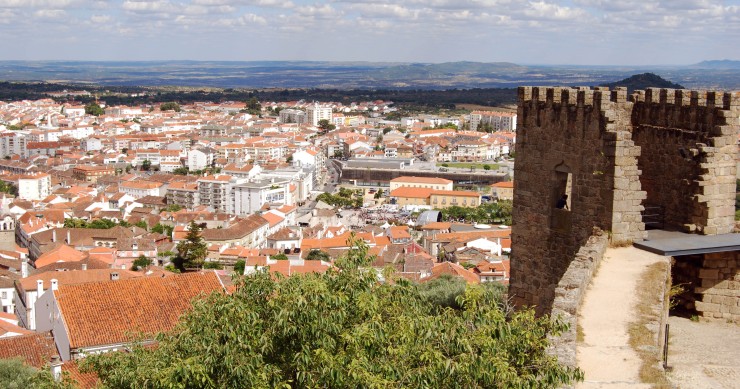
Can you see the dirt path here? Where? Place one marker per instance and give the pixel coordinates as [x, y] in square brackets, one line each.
[609, 306]
[704, 355]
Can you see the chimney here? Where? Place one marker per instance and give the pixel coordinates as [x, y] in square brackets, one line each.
[54, 284]
[69, 238]
[39, 288]
[54, 235]
[56, 368]
[24, 269]
[84, 266]
[114, 276]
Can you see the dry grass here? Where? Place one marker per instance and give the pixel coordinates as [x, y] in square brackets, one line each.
[642, 340]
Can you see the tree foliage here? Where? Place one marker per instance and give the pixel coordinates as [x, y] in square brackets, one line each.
[94, 109]
[326, 125]
[9, 188]
[318, 255]
[146, 165]
[342, 329]
[170, 106]
[191, 252]
[163, 229]
[141, 262]
[345, 198]
[15, 375]
[101, 224]
[494, 212]
[253, 106]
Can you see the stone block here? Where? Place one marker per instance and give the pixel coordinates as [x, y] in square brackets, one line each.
[706, 307]
[711, 274]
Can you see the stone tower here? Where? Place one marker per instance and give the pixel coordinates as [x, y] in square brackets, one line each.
[672, 152]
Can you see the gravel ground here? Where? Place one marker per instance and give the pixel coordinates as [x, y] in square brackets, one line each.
[704, 355]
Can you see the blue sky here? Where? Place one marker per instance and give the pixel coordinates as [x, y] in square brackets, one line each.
[588, 32]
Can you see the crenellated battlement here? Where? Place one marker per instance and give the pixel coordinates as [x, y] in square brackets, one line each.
[586, 96]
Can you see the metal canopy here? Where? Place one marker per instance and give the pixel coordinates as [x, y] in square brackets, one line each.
[673, 243]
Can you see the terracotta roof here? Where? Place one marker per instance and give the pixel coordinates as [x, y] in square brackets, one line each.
[437, 226]
[83, 380]
[237, 231]
[35, 349]
[6, 327]
[272, 218]
[405, 191]
[61, 253]
[463, 193]
[503, 184]
[74, 277]
[455, 270]
[422, 180]
[113, 312]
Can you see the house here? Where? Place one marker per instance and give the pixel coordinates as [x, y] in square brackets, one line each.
[29, 289]
[33, 186]
[503, 190]
[495, 271]
[35, 349]
[248, 232]
[97, 317]
[92, 173]
[421, 182]
[454, 270]
[142, 188]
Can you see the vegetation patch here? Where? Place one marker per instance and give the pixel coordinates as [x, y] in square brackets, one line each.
[641, 338]
[470, 165]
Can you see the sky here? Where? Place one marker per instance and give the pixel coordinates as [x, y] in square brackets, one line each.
[579, 32]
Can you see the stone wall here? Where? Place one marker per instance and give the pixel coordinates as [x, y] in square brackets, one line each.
[570, 292]
[576, 141]
[720, 286]
[613, 154]
[688, 141]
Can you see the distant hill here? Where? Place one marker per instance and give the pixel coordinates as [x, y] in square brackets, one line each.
[717, 64]
[643, 81]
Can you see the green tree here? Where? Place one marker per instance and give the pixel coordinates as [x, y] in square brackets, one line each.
[191, 252]
[172, 208]
[15, 375]
[486, 167]
[141, 262]
[181, 171]
[342, 329]
[280, 257]
[94, 109]
[253, 106]
[9, 188]
[170, 106]
[318, 255]
[146, 165]
[239, 266]
[379, 193]
[163, 229]
[326, 125]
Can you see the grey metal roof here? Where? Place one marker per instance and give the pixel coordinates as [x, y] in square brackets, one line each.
[428, 217]
[673, 243]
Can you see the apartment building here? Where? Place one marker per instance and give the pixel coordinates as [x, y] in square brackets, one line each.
[33, 186]
[316, 113]
[250, 197]
[184, 194]
[92, 173]
[215, 191]
[421, 182]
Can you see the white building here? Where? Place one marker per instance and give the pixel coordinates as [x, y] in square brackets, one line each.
[315, 113]
[293, 116]
[200, 159]
[34, 186]
[251, 196]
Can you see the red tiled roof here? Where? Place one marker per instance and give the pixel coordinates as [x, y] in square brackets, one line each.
[113, 312]
[455, 270]
[35, 349]
[422, 180]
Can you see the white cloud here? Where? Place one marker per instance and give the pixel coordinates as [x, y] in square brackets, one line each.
[144, 6]
[50, 14]
[100, 19]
